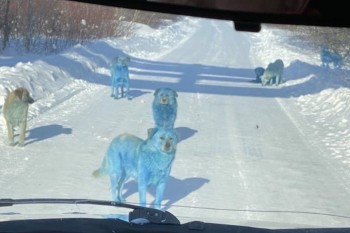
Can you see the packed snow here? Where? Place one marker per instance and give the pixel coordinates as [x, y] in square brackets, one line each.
[248, 153]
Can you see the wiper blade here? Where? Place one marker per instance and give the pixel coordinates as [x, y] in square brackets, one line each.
[151, 215]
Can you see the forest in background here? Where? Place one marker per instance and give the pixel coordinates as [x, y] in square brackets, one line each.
[314, 37]
[50, 26]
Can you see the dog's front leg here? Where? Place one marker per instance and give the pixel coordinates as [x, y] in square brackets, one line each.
[278, 80]
[22, 133]
[10, 133]
[159, 193]
[117, 91]
[114, 187]
[128, 90]
[113, 91]
[142, 186]
[112, 85]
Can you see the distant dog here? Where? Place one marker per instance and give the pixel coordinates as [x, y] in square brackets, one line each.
[258, 72]
[147, 161]
[15, 112]
[328, 57]
[120, 77]
[273, 73]
[164, 107]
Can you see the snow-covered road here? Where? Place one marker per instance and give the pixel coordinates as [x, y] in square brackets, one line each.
[241, 148]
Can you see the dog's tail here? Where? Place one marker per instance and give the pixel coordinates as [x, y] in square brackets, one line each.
[103, 170]
[98, 173]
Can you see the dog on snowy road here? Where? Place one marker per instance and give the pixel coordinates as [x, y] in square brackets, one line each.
[273, 73]
[258, 72]
[120, 77]
[15, 113]
[328, 57]
[164, 107]
[147, 161]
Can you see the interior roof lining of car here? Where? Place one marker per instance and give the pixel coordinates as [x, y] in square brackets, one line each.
[247, 13]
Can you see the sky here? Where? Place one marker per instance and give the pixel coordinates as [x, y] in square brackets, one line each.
[276, 156]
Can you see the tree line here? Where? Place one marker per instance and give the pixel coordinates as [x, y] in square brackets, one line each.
[314, 37]
[49, 26]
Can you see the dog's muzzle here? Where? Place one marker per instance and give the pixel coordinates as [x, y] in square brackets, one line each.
[164, 100]
[168, 146]
[29, 100]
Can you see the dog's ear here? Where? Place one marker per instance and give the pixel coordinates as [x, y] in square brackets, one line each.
[24, 95]
[156, 91]
[115, 61]
[178, 135]
[151, 132]
[20, 93]
[175, 93]
[126, 60]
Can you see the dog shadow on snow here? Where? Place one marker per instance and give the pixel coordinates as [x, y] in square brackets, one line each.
[47, 131]
[176, 189]
[192, 78]
[185, 132]
[138, 93]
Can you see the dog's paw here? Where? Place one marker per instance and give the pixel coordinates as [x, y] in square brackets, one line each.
[119, 199]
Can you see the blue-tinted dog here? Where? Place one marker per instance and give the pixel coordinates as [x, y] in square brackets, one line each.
[120, 77]
[273, 73]
[164, 107]
[147, 161]
[328, 57]
[258, 72]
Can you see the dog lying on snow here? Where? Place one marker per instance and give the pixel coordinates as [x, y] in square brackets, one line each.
[164, 107]
[273, 73]
[148, 161]
[15, 113]
[120, 77]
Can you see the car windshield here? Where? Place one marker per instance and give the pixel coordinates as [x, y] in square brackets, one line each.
[179, 113]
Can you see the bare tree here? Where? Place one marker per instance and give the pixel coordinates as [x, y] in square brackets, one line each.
[46, 26]
[6, 26]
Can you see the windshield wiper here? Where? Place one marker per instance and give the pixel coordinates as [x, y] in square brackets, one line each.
[149, 214]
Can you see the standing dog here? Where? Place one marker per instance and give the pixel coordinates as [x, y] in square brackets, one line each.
[16, 112]
[164, 107]
[328, 57]
[120, 77]
[148, 161]
[273, 73]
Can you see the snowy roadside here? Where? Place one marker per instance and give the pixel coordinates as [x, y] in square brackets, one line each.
[325, 112]
[149, 43]
[53, 79]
